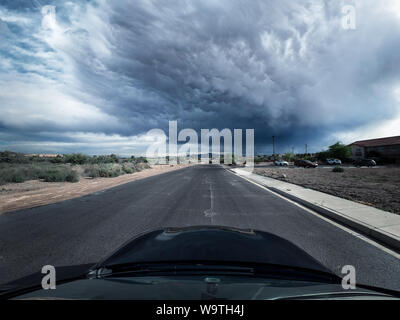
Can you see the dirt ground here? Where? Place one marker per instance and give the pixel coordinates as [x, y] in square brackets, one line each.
[15, 196]
[377, 187]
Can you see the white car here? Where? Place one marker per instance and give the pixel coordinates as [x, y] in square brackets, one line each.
[281, 163]
[333, 161]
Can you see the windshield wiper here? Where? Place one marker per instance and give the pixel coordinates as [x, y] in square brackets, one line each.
[324, 295]
[220, 267]
[168, 269]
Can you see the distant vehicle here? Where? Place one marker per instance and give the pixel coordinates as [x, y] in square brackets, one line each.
[365, 163]
[334, 161]
[281, 163]
[305, 164]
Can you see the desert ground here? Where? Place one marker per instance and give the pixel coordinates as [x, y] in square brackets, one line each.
[33, 193]
[377, 187]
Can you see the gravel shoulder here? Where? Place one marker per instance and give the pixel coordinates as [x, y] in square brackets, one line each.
[33, 193]
[377, 187]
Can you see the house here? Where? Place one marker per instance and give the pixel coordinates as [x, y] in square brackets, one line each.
[386, 150]
[44, 155]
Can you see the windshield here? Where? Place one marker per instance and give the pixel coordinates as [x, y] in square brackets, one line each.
[249, 138]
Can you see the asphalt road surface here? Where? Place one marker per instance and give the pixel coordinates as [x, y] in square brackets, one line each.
[86, 229]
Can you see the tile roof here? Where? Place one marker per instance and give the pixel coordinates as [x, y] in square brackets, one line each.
[378, 142]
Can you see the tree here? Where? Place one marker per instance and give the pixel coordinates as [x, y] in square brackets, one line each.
[322, 156]
[339, 151]
[289, 156]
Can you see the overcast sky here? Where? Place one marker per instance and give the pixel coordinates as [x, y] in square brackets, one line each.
[102, 73]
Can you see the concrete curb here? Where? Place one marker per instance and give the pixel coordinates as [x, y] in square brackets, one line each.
[380, 236]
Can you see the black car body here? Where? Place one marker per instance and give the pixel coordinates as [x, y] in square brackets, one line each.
[197, 263]
[365, 163]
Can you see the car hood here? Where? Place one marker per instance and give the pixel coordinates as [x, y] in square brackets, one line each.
[221, 244]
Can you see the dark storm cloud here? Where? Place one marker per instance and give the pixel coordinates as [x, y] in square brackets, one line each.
[283, 68]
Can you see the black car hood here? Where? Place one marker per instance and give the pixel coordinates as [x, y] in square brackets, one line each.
[191, 244]
[212, 244]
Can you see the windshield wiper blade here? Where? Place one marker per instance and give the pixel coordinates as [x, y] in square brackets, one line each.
[322, 295]
[167, 268]
[246, 268]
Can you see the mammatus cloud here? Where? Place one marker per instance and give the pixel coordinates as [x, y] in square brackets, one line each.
[116, 69]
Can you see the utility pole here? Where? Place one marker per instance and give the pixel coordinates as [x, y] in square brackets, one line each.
[273, 146]
[306, 149]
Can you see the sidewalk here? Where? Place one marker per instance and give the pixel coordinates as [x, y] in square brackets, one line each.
[381, 225]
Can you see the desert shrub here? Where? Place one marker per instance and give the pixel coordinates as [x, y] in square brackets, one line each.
[141, 166]
[57, 160]
[128, 169]
[337, 169]
[13, 157]
[112, 158]
[106, 170]
[92, 171]
[60, 174]
[76, 158]
[72, 176]
[53, 176]
[12, 176]
[18, 173]
[18, 177]
[113, 171]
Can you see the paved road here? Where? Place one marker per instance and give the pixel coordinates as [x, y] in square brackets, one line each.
[85, 229]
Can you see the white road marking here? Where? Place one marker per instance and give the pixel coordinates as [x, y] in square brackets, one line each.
[352, 232]
[210, 213]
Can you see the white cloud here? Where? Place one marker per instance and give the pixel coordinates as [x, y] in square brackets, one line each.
[93, 143]
[42, 104]
[284, 68]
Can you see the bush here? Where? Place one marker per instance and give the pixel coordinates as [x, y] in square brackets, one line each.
[107, 170]
[92, 171]
[72, 177]
[128, 169]
[18, 173]
[17, 167]
[337, 169]
[12, 176]
[76, 158]
[53, 176]
[12, 157]
[18, 177]
[60, 175]
[57, 160]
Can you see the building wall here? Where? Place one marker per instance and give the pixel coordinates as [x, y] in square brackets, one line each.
[384, 154]
[357, 152]
[389, 151]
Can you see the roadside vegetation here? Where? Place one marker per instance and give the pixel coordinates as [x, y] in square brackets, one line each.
[18, 167]
[336, 151]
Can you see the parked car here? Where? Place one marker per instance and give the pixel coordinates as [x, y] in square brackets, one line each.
[281, 163]
[334, 161]
[305, 164]
[365, 163]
